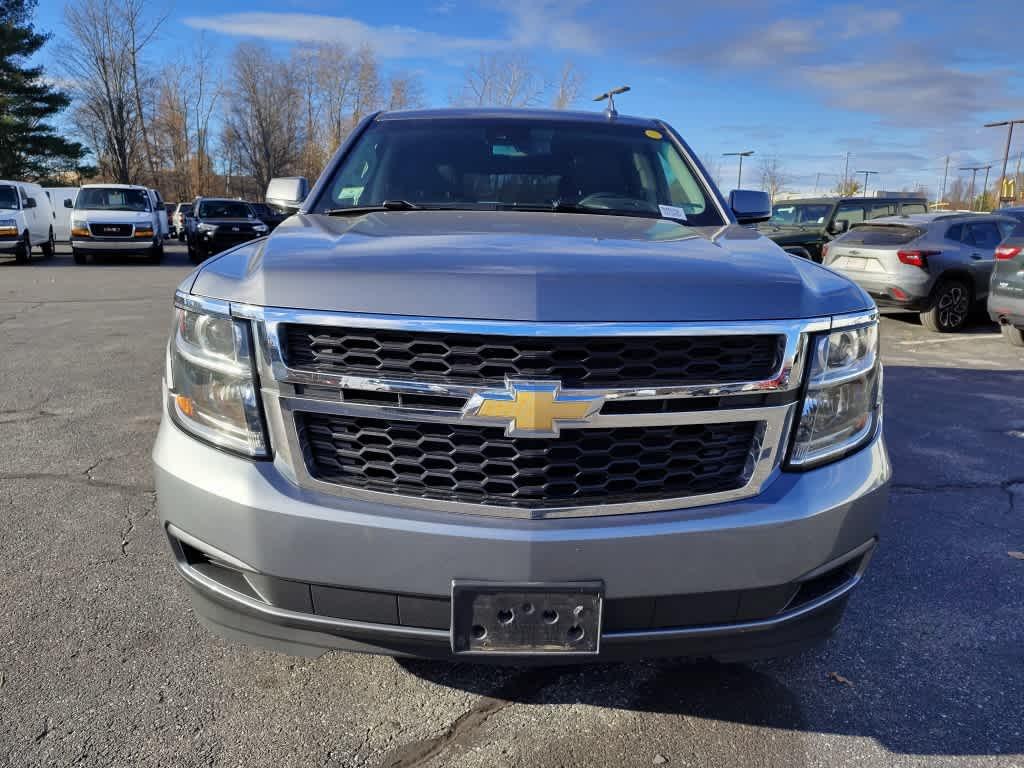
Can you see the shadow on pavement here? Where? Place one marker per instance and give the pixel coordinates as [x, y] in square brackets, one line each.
[933, 641]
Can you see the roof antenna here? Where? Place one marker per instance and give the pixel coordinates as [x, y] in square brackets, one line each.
[610, 111]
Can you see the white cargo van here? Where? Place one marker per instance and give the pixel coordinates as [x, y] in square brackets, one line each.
[116, 218]
[26, 220]
[62, 199]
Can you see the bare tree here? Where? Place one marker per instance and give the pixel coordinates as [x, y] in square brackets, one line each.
[847, 187]
[713, 165]
[141, 32]
[568, 87]
[263, 113]
[773, 179]
[500, 80]
[405, 91]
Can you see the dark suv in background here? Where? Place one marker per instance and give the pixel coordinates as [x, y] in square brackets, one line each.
[217, 224]
[268, 215]
[804, 225]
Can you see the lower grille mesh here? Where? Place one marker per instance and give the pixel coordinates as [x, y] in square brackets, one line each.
[480, 465]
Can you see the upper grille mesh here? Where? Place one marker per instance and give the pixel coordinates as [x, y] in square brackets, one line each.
[575, 361]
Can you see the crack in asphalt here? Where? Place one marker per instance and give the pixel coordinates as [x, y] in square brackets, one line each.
[1010, 487]
[80, 479]
[522, 687]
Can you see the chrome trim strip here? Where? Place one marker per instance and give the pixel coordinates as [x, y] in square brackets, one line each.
[192, 303]
[216, 591]
[210, 551]
[860, 318]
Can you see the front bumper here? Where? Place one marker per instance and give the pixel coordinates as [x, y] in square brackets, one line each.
[10, 244]
[760, 576]
[94, 245]
[1006, 306]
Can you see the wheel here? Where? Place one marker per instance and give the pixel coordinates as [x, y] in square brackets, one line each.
[195, 254]
[950, 308]
[50, 246]
[796, 250]
[79, 257]
[156, 254]
[1013, 335]
[24, 252]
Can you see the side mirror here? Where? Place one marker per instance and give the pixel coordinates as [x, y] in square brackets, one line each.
[750, 206]
[68, 203]
[838, 226]
[30, 202]
[287, 193]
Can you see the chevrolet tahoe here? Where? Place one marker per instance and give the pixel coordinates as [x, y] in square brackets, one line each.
[520, 386]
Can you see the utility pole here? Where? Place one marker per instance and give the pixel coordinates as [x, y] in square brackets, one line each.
[945, 175]
[984, 189]
[864, 192]
[846, 175]
[974, 169]
[1006, 152]
[740, 155]
[817, 181]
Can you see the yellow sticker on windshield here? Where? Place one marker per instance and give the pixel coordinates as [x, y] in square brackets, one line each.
[652, 134]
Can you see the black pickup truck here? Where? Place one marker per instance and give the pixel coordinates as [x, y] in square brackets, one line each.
[802, 226]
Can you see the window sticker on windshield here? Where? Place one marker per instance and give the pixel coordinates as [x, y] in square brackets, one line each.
[652, 134]
[672, 212]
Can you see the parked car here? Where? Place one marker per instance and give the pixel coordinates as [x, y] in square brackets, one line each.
[1006, 291]
[268, 215]
[217, 224]
[116, 218]
[936, 264]
[26, 221]
[803, 226]
[169, 210]
[62, 200]
[1016, 212]
[181, 213]
[520, 385]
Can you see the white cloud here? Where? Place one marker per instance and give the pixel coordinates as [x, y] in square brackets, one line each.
[392, 42]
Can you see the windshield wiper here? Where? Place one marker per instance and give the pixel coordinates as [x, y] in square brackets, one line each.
[387, 205]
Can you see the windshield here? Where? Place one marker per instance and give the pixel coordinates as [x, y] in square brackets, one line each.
[790, 213]
[112, 199]
[882, 234]
[8, 198]
[224, 209]
[509, 164]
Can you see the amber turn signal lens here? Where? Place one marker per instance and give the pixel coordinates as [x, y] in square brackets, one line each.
[185, 405]
[79, 232]
[144, 232]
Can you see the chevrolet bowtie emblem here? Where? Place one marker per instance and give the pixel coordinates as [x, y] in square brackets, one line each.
[531, 408]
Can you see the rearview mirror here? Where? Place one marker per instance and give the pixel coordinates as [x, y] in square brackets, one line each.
[287, 193]
[838, 226]
[30, 202]
[750, 206]
[68, 203]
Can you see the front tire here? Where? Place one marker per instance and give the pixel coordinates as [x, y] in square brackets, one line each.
[950, 309]
[24, 253]
[195, 254]
[1013, 335]
[156, 254]
[50, 246]
[79, 257]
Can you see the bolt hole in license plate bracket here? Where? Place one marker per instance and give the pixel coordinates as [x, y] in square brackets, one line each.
[550, 619]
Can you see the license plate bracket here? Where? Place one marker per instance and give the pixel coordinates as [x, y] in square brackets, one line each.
[498, 618]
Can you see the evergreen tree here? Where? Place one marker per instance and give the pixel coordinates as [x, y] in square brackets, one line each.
[29, 145]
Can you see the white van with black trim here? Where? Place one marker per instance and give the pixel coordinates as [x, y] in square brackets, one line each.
[116, 218]
[26, 220]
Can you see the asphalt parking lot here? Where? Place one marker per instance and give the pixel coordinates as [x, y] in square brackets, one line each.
[102, 662]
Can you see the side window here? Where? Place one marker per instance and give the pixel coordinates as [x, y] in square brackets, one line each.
[983, 235]
[914, 208]
[852, 212]
[24, 196]
[1006, 228]
[878, 210]
[955, 233]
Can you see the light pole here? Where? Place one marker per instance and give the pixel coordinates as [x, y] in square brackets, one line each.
[740, 155]
[864, 193]
[974, 177]
[1006, 151]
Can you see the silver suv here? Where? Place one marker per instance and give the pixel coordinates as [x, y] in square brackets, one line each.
[937, 264]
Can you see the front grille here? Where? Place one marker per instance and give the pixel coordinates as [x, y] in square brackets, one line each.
[575, 361]
[111, 230]
[480, 465]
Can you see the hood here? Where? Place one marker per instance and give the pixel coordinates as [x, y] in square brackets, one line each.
[508, 265]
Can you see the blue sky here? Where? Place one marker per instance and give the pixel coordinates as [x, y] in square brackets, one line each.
[900, 84]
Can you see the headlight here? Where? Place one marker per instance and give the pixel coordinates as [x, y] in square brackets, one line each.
[204, 227]
[842, 407]
[79, 228]
[210, 381]
[8, 227]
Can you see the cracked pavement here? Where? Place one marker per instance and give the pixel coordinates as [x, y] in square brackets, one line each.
[103, 664]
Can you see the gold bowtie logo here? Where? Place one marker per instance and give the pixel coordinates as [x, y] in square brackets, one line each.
[531, 409]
